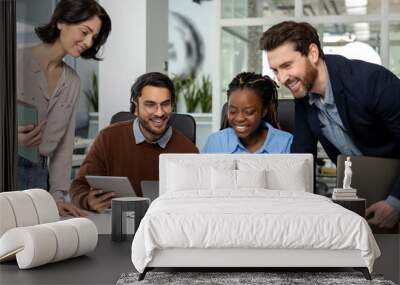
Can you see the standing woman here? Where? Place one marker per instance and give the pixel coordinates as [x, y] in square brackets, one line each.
[251, 124]
[77, 28]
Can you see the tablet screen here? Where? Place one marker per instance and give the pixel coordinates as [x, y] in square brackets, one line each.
[120, 185]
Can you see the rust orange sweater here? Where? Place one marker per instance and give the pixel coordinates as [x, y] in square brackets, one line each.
[115, 153]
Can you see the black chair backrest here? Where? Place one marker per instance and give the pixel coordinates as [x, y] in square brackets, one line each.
[285, 114]
[224, 112]
[184, 123]
[122, 116]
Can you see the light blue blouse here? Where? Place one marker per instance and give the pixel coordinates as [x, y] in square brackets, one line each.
[226, 141]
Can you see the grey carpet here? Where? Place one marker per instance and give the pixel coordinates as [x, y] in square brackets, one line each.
[230, 278]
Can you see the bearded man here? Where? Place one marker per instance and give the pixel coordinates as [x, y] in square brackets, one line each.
[350, 106]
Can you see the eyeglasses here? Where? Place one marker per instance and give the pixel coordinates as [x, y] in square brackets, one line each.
[153, 106]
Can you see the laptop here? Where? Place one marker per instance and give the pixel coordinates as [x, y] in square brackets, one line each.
[373, 177]
[150, 189]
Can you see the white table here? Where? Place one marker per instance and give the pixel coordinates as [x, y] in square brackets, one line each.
[102, 221]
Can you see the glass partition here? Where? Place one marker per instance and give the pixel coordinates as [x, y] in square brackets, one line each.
[394, 6]
[256, 8]
[354, 40]
[30, 14]
[340, 7]
[394, 40]
[240, 51]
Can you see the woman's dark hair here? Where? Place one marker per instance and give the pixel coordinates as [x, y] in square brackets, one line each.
[74, 12]
[264, 87]
[301, 35]
[155, 79]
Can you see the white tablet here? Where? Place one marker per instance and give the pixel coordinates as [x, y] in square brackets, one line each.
[120, 185]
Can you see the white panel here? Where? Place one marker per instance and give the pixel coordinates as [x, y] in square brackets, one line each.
[156, 35]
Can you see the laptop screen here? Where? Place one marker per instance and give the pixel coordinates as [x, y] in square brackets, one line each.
[373, 177]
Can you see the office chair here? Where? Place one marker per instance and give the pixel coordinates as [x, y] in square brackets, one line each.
[285, 114]
[122, 116]
[184, 123]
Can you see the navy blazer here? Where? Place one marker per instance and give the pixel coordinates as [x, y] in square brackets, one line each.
[367, 97]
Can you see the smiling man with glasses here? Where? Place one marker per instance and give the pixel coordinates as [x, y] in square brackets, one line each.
[153, 107]
[132, 148]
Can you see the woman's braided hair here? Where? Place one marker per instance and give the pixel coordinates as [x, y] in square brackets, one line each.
[264, 87]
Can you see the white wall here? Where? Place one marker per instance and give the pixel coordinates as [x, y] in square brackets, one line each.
[127, 53]
[157, 35]
[124, 56]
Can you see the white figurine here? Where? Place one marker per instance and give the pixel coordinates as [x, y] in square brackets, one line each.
[347, 174]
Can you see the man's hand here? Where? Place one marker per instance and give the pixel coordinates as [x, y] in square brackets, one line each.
[384, 215]
[29, 135]
[69, 209]
[98, 200]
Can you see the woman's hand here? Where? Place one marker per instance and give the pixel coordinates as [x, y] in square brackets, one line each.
[69, 209]
[29, 135]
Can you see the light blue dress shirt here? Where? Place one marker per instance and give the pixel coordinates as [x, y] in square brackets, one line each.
[331, 125]
[139, 137]
[334, 130]
[226, 141]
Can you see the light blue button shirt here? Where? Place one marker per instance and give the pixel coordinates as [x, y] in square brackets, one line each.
[332, 126]
[334, 130]
[226, 141]
[139, 137]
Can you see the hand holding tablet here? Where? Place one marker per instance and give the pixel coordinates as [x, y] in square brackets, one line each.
[99, 201]
[104, 188]
[120, 185]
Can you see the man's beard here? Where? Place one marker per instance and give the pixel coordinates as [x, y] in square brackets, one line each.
[310, 77]
[153, 131]
[145, 125]
[307, 82]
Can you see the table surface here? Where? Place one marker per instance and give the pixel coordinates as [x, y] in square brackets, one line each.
[110, 259]
[104, 265]
[102, 221]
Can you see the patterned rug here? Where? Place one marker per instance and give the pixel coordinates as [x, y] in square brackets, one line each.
[243, 278]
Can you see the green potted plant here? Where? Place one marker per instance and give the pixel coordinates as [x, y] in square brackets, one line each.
[92, 94]
[190, 93]
[180, 82]
[205, 94]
